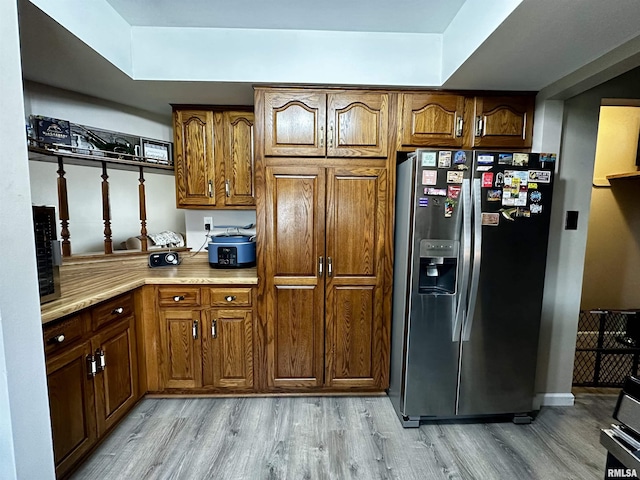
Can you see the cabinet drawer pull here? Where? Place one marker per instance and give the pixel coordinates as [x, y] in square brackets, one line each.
[178, 298]
[210, 188]
[227, 188]
[195, 329]
[230, 298]
[320, 266]
[214, 328]
[329, 267]
[117, 311]
[321, 136]
[57, 339]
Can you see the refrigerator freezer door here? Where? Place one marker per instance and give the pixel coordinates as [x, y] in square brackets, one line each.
[432, 352]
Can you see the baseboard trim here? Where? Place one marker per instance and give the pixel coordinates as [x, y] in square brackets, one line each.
[553, 400]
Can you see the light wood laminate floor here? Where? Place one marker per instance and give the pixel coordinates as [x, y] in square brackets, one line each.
[344, 438]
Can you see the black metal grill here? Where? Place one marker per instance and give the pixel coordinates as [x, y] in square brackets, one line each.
[607, 347]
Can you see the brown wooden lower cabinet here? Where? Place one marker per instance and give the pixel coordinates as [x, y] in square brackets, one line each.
[116, 385]
[206, 349]
[72, 406]
[92, 377]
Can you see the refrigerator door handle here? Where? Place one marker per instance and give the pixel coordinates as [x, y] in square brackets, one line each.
[465, 259]
[476, 193]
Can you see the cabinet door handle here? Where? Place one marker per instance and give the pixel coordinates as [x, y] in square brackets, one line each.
[330, 138]
[178, 298]
[320, 266]
[210, 188]
[227, 188]
[479, 126]
[92, 368]
[57, 339]
[329, 267]
[230, 298]
[459, 126]
[322, 136]
[195, 329]
[117, 311]
[214, 328]
[100, 360]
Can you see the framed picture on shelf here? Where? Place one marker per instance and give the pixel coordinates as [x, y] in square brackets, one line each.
[156, 151]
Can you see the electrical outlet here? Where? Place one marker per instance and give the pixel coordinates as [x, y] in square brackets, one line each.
[208, 223]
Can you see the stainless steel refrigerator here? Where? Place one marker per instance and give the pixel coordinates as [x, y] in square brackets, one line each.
[470, 251]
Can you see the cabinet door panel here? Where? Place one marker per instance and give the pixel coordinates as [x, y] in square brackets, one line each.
[181, 351]
[354, 335]
[358, 124]
[356, 224]
[72, 406]
[506, 122]
[117, 384]
[297, 336]
[432, 119]
[239, 160]
[295, 289]
[194, 167]
[295, 224]
[229, 354]
[294, 123]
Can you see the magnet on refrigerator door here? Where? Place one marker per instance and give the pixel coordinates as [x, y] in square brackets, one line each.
[505, 158]
[487, 180]
[460, 157]
[535, 208]
[444, 159]
[540, 176]
[520, 159]
[494, 195]
[485, 159]
[455, 177]
[535, 196]
[428, 159]
[453, 191]
[499, 180]
[423, 202]
[449, 205]
[439, 192]
[429, 177]
[490, 219]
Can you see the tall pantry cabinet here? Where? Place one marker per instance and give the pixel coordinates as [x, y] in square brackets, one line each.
[323, 204]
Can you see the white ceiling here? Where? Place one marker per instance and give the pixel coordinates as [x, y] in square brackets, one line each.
[547, 45]
[416, 16]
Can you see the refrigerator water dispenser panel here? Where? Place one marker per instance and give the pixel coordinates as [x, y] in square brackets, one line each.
[438, 267]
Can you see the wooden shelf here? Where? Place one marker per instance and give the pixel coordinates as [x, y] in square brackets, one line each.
[617, 176]
[72, 158]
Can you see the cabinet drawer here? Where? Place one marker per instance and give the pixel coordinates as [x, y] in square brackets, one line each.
[179, 296]
[230, 297]
[107, 312]
[64, 332]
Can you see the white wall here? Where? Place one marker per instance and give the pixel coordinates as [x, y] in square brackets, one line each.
[196, 238]
[26, 450]
[84, 183]
[566, 257]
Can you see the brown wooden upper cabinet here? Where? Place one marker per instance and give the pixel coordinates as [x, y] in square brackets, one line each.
[214, 158]
[504, 122]
[432, 119]
[314, 123]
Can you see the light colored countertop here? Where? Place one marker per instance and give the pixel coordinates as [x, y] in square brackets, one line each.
[86, 284]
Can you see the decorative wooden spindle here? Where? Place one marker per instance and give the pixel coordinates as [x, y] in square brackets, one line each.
[142, 200]
[106, 210]
[63, 209]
